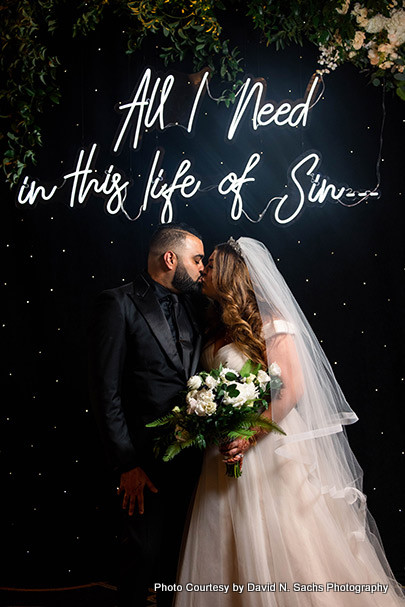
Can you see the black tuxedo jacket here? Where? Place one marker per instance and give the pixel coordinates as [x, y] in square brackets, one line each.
[135, 370]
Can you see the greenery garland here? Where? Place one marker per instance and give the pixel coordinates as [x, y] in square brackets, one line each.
[370, 34]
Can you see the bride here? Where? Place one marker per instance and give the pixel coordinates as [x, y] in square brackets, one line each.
[294, 529]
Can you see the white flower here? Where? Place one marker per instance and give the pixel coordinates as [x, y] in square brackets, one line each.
[262, 378]
[358, 40]
[190, 396]
[224, 371]
[373, 56]
[211, 382]
[329, 57]
[395, 27]
[376, 24]
[345, 7]
[201, 402]
[194, 382]
[360, 14]
[246, 392]
[274, 369]
[248, 380]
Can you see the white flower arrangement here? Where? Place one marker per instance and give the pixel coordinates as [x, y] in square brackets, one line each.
[377, 44]
[220, 406]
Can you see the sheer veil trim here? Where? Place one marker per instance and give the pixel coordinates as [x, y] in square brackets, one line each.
[315, 426]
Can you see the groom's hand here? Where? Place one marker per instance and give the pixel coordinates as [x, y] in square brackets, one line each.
[132, 484]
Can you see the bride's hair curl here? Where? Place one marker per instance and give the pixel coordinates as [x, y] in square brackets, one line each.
[235, 315]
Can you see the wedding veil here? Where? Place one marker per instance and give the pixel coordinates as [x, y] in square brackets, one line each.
[317, 438]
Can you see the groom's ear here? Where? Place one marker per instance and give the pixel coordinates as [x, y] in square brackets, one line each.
[170, 260]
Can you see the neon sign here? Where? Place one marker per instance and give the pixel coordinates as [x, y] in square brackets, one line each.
[146, 110]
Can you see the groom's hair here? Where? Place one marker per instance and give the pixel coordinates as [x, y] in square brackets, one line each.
[170, 236]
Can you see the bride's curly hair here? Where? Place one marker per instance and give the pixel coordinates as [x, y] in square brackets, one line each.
[235, 315]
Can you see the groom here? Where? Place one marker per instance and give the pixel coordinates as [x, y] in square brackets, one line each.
[145, 342]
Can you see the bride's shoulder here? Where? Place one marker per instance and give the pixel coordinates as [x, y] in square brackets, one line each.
[275, 326]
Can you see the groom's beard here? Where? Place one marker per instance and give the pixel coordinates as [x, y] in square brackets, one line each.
[183, 282]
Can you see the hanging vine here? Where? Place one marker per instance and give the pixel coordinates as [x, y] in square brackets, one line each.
[371, 35]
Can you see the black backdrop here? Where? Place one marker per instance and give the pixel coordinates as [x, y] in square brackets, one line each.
[345, 266]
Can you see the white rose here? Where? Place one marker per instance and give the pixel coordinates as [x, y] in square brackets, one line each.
[194, 382]
[204, 403]
[263, 377]
[191, 401]
[274, 369]
[211, 382]
[207, 408]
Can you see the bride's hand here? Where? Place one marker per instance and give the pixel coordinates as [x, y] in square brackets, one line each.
[235, 450]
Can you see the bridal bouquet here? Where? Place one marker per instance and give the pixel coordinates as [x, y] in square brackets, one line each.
[219, 407]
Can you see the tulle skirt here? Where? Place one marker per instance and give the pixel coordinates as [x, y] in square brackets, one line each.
[275, 538]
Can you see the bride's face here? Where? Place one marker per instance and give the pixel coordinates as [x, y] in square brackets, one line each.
[207, 287]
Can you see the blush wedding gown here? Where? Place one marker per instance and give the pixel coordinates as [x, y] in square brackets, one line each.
[275, 533]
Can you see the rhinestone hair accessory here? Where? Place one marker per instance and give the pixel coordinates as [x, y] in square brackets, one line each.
[235, 246]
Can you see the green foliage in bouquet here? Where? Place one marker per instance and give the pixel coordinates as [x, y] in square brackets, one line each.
[219, 407]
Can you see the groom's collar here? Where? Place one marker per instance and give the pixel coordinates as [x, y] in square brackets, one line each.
[142, 284]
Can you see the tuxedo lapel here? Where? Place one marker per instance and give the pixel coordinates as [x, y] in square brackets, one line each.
[145, 300]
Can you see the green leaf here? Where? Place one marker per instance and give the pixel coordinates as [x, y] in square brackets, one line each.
[401, 93]
[231, 376]
[162, 421]
[235, 434]
[246, 369]
[233, 391]
[267, 424]
[400, 76]
[172, 451]
[176, 447]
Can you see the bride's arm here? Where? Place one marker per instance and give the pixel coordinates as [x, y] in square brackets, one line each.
[281, 350]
